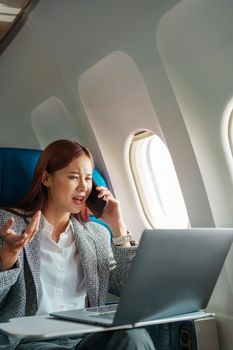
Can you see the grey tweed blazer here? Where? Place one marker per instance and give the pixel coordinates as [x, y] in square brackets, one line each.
[105, 269]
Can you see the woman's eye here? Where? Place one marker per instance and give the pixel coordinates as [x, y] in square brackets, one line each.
[74, 177]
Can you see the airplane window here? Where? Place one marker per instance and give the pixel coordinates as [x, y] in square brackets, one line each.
[156, 182]
[230, 132]
[51, 121]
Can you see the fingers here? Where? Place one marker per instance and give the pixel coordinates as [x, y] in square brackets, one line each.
[104, 193]
[7, 227]
[31, 230]
[9, 236]
[32, 227]
[15, 240]
[21, 241]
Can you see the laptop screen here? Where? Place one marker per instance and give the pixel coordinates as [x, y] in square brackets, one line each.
[174, 272]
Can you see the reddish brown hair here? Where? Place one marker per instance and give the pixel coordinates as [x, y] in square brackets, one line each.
[55, 156]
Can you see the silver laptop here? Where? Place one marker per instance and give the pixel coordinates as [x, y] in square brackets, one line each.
[173, 273]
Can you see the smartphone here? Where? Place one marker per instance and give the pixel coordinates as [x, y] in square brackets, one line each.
[95, 204]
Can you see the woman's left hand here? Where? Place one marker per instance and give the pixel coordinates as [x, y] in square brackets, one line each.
[112, 214]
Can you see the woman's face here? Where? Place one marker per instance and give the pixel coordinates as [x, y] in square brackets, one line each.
[69, 187]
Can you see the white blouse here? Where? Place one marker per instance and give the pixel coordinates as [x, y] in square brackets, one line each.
[62, 278]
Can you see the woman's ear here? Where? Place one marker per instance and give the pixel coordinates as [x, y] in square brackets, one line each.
[45, 179]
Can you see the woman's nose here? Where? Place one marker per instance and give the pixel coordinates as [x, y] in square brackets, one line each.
[81, 186]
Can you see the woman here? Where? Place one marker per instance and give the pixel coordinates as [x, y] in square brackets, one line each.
[53, 258]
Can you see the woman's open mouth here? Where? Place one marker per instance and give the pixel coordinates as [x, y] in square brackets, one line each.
[78, 200]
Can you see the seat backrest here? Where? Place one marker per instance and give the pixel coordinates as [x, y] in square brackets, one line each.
[17, 167]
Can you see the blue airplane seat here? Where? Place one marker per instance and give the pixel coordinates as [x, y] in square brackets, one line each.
[17, 167]
[98, 177]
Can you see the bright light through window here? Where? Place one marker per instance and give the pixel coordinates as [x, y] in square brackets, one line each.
[230, 132]
[157, 183]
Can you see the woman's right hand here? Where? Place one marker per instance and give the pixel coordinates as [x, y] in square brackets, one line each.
[13, 242]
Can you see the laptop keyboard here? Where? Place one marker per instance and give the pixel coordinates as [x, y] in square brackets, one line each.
[106, 315]
[103, 309]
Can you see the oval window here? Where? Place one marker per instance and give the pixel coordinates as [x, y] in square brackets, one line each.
[156, 182]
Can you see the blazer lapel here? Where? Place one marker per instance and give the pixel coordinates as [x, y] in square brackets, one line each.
[32, 253]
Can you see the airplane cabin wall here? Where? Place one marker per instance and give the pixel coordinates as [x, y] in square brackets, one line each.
[200, 72]
[195, 42]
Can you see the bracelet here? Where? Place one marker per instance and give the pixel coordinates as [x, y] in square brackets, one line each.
[122, 239]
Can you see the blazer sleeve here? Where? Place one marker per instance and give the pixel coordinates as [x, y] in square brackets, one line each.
[113, 262]
[120, 262]
[7, 278]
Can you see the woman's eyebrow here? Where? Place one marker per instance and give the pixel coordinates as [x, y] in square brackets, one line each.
[78, 172]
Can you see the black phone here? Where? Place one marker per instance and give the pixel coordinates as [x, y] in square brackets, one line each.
[95, 204]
